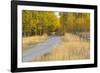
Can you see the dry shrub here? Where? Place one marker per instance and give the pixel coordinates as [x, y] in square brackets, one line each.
[71, 37]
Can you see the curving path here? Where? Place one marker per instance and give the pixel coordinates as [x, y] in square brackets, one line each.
[41, 48]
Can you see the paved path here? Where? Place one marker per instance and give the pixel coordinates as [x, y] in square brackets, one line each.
[41, 48]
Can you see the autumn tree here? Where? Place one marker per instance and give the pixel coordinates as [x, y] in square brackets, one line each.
[75, 22]
[39, 22]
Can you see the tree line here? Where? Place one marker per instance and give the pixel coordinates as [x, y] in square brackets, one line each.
[75, 22]
[40, 22]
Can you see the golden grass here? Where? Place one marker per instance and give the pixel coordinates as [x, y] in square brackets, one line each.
[29, 41]
[71, 48]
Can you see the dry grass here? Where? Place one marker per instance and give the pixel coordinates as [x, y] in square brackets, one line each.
[29, 41]
[71, 48]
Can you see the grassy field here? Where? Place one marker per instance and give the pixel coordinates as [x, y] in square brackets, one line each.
[32, 40]
[71, 48]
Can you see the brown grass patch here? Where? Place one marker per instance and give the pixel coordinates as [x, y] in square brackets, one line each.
[32, 40]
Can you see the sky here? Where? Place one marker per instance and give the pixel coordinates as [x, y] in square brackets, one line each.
[57, 14]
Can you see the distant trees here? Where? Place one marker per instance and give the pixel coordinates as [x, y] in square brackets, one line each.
[40, 22]
[79, 22]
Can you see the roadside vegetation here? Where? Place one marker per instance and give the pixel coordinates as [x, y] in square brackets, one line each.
[31, 41]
